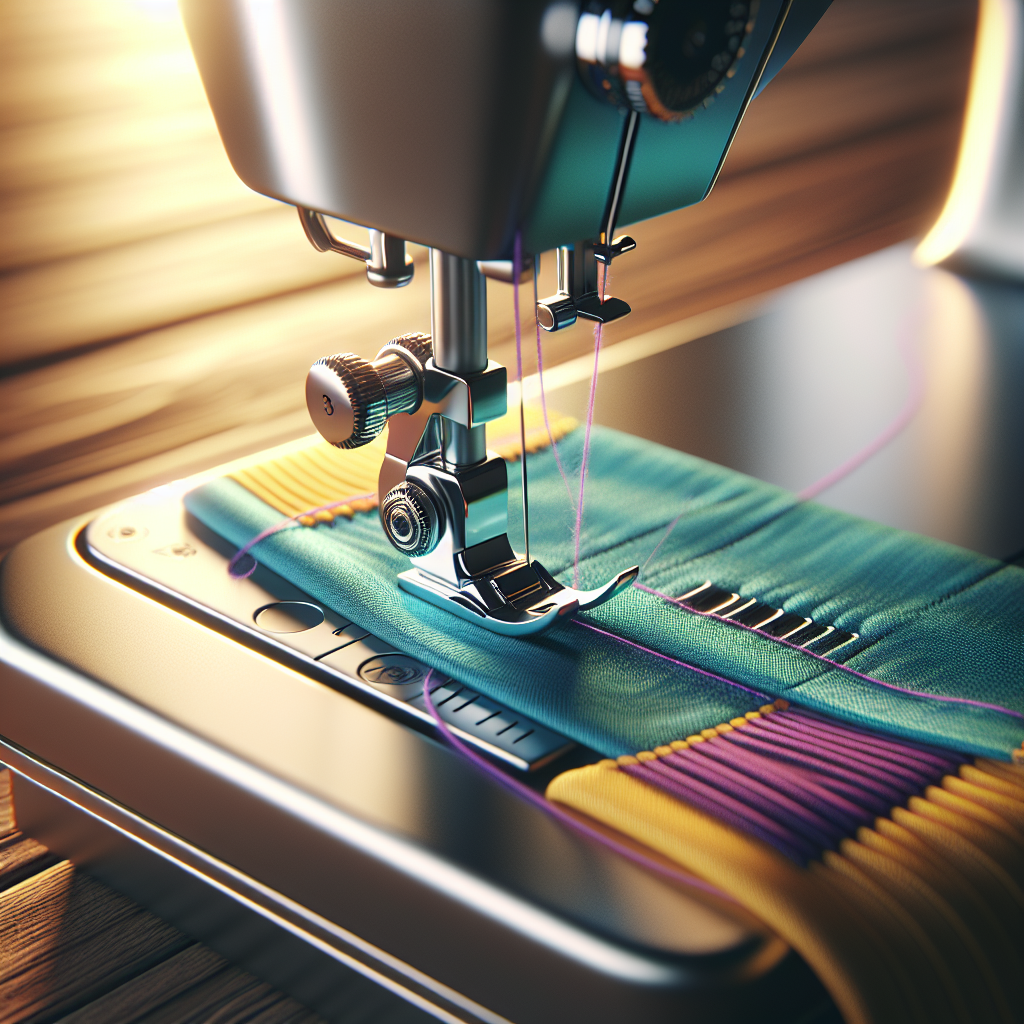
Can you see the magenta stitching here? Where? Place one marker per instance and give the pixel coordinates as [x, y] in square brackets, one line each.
[551, 808]
[828, 661]
[271, 530]
[674, 661]
[890, 433]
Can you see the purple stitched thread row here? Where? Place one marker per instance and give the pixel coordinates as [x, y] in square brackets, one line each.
[834, 664]
[883, 794]
[902, 764]
[750, 783]
[575, 824]
[805, 820]
[732, 812]
[852, 791]
[830, 751]
[834, 807]
[936, 757]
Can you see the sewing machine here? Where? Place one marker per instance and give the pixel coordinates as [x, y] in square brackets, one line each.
[291, 93]
[248, 756]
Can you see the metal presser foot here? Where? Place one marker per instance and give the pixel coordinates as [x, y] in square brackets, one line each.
[443, 495]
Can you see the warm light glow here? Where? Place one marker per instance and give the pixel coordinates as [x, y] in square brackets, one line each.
[986, 97]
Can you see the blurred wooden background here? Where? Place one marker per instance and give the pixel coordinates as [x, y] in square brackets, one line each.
[158, 317]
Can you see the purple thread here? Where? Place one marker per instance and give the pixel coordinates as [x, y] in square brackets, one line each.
[746, 777]
[870, 794]
[935, 757]
[664, 537]
[834, 807]
[859, 746]
[828, 661]
[770, 800]
[598, 327]
[869, 451]
[674, 661]
[524, 791]
[825, 762]
[283, 524]
[902, 420]
[872, 768]
[543, 395]
[890, 433]
[724, 807]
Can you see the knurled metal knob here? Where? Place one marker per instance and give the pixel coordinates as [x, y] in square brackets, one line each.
[410, 519]
[346, 399]
[418, 345]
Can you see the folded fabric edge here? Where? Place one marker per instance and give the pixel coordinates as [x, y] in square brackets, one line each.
[846, 913]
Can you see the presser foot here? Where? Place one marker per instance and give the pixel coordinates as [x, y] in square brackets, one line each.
[515, 600]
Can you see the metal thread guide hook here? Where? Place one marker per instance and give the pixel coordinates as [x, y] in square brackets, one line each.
[578, 295]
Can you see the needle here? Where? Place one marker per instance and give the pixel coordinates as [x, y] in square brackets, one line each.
[517, 263]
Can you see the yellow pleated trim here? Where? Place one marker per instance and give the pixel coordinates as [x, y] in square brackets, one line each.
[920, 918]
[320, 474]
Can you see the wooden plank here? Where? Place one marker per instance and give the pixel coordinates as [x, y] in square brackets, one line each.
[129, 289]
[73, 950]
[20, 858]
[113, 209]
[7, 822]
[194, 985]
[60, 58]
[105, 133]
[65, 939]
[152, 989]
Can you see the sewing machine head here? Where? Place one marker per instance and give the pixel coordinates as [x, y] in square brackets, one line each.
[489, 131]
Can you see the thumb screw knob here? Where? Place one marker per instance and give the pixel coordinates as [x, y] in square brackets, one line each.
[346, 400]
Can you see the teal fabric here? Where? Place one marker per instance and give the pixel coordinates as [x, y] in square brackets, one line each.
[932, 617]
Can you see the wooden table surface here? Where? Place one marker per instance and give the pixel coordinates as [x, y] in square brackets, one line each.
[158, 317]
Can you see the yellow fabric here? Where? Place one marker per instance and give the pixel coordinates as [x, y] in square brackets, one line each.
[920, 918]
[320, 474]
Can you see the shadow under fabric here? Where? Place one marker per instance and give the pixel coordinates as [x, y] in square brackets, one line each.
[914, 911]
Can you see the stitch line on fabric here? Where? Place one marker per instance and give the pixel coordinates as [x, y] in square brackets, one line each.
[553, 810]
[833, 664]
[912, 614]
[868, 643]
[939, 601]
[696, 507]
[675, 661]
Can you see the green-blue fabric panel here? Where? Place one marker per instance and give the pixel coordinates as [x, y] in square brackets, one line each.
[741, 533]
[586, 686]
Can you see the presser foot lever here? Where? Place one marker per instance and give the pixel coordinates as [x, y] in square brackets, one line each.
[515, 599]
